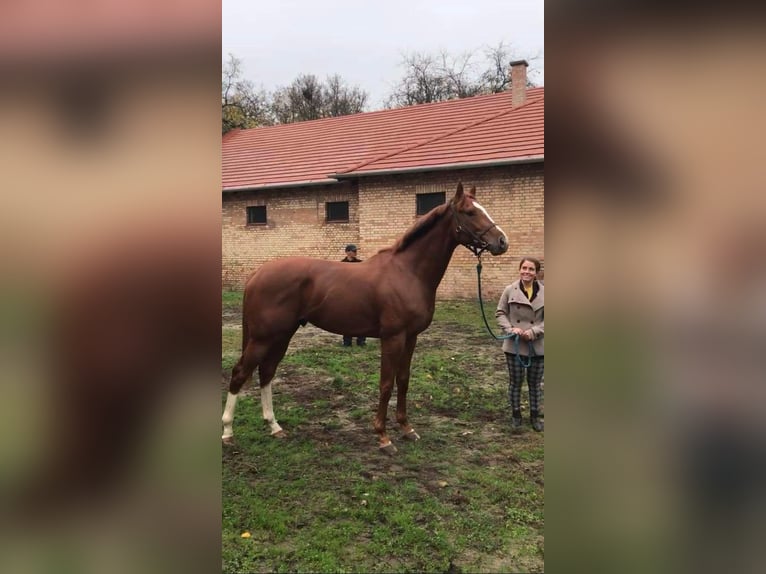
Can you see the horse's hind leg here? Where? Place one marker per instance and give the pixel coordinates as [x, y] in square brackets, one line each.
[266, 372]
[241, 372]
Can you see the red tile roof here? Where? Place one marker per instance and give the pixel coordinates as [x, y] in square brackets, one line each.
[482, 129]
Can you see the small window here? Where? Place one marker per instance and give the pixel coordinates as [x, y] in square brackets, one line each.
[336, 210]
[256, 215]
[427, 201]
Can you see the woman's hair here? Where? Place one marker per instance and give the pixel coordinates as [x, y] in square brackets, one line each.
[531, 260]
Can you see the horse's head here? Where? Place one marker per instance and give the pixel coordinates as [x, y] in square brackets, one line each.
[474, 226]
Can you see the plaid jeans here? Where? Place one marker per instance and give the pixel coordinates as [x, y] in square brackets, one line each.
[534, 374]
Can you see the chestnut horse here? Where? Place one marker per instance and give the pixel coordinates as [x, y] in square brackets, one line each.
[390, 296]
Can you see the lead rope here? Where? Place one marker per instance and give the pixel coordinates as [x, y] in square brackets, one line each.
[503, 337]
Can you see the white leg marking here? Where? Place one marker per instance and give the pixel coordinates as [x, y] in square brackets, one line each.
[268, 409]
[228, 416]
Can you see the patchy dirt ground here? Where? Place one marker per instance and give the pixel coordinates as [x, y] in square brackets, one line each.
[488, 368]
[488, 356]
[462, 447]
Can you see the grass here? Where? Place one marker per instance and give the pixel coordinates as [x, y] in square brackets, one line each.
[231, 300]
[467, 497]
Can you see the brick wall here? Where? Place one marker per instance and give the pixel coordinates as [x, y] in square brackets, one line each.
[513, 196]
[380, 210]
[296, 226]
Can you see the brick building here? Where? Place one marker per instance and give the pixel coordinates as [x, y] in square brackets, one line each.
[310, 188]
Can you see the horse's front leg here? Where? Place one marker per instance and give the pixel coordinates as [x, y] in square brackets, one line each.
[391, 351]
[402, 384]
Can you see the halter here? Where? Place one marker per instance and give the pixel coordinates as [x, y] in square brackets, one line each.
[477, 244]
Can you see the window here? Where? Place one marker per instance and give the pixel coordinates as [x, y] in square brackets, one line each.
[256, 215]
[427, 201]
[336, 211]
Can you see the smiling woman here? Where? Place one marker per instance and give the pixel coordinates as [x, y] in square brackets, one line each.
[521, 312]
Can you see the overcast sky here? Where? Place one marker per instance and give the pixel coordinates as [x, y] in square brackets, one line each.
[363, 41]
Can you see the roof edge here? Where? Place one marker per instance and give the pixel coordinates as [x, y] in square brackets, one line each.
[536, 95]
[280, 185]
[442, 167]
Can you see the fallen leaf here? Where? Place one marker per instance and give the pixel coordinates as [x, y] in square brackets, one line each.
[245, 535]
[442, 483]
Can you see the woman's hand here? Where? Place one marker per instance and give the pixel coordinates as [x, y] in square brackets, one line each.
[528, 335]
[517, 331]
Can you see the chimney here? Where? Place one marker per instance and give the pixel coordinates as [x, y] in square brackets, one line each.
[518, 82]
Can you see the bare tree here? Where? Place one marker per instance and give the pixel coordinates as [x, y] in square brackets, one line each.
[300, 101]
[495, 76]
[242, 106]
[342, 100]
[422, 82]
[459, 75]
[307, 98]
[429, 78]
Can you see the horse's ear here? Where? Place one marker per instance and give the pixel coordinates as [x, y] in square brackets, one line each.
[472, 193]
[458, 193]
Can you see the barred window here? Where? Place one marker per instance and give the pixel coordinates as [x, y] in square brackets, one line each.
[427, 201]
[256, 215]
[336, 211]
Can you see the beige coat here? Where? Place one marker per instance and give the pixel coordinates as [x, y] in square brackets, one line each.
[515, 310]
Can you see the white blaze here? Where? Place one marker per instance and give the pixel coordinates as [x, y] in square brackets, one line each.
[485, 212]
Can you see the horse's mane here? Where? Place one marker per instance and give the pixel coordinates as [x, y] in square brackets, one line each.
[419, 228]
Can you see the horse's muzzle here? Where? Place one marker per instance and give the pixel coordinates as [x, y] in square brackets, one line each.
[499, 246]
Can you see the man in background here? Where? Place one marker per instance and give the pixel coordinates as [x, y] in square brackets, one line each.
[352, 258]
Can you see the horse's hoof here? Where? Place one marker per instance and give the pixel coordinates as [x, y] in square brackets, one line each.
[389, 449]
[279, 434]
[412, 435]
[227, 439]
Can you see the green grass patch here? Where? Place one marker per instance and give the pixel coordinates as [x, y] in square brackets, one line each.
[468, 494]
[231, 299]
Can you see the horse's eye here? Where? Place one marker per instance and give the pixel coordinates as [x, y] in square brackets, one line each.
[471, 212]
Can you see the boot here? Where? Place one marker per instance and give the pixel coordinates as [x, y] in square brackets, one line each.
[536, 422]
[516, 421]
